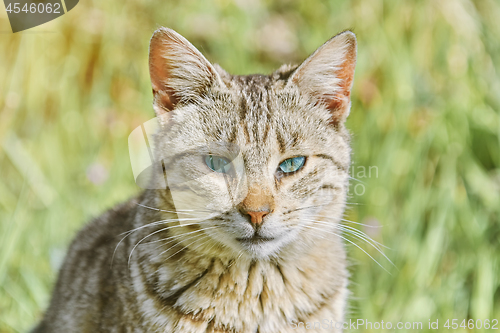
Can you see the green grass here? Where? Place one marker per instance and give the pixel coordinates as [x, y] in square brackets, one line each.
[425, 112]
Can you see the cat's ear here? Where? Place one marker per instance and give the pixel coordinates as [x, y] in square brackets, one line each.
[179, 72]
[327, 75]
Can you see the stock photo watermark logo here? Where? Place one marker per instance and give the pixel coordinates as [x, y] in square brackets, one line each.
[161, 168]
[357, 174]
[25, 15]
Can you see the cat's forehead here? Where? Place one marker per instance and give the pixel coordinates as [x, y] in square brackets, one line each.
[257, 111]
[252, 82]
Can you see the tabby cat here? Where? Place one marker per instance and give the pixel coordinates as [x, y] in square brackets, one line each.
[249, 240]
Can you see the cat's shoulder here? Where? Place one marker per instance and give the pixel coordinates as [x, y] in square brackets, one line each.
[106, 229]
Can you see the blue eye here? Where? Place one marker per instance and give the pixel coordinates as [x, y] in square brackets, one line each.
[292, 164]
[218, 164]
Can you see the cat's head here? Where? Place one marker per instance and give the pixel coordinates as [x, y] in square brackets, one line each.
[259, 162]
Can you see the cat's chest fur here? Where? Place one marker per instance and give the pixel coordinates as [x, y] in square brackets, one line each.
[203, 294]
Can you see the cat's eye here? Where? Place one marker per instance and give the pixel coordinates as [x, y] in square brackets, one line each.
[218, 163]
[292, 164]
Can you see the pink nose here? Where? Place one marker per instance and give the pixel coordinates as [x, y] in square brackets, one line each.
[257, 216]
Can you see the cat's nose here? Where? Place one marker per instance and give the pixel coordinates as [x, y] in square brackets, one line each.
[258, 203]
[257, 217]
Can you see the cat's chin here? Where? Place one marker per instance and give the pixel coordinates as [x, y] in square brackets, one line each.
[260, 248]
[252, 246]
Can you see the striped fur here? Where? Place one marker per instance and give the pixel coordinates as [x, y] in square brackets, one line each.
[183, 267]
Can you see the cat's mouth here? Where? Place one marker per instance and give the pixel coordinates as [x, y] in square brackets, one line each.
[255, 240]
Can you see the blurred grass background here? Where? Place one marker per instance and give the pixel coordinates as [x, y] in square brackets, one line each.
[425, 112]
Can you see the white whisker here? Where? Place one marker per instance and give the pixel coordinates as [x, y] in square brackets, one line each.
[151, 234]
[177, 236]
[186, 246]
[359, 234]
[128, 233]
[347, 240]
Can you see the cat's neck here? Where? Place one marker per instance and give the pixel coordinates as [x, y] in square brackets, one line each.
[294, 286]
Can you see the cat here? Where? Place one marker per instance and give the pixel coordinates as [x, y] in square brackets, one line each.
[247, 242]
